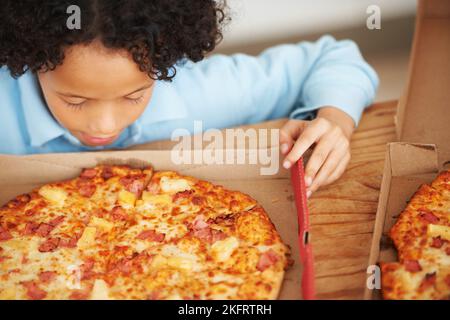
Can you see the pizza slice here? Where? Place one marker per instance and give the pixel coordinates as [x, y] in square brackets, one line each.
[422, 238]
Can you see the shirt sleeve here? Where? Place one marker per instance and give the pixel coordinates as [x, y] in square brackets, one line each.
[287, 80]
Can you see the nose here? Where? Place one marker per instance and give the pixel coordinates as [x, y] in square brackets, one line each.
[104, 121]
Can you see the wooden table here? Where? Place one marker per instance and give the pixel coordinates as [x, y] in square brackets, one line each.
[343, 213]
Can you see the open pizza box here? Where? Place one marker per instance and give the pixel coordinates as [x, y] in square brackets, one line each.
[423, 131]
[20, 174]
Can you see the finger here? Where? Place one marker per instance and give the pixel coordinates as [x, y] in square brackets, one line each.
[309, 136]
[289, 133]
[340, 169]
[323, 150]
[335, 157]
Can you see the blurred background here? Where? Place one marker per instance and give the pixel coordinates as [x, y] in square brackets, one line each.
[258, 24]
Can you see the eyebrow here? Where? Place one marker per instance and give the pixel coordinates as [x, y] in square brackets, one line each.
[71, 95]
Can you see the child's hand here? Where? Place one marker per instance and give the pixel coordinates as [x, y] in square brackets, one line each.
[331, 132]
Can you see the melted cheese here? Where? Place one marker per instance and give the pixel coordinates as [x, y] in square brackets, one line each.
[222, 250]
[174, 185]
[156, 199]
[435, 230]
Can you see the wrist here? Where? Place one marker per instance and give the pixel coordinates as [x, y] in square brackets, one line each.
[338, 117]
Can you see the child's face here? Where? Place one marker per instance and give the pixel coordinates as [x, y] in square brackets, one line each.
[96, 93]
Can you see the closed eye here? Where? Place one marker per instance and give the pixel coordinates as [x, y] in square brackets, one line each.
[75, 106]
[135, 100]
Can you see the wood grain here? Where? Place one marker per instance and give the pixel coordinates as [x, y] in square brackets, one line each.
[343, 213]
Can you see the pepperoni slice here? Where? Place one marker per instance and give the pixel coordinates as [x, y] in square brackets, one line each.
[56, 221]
[79, 295]
[428, 216]
[107, 173]
[47, 276]
[44, 230]
[86, 269]
[68, 243]
[49, 245]
[153, 188]
[437, 242]
[428, 281]
[133, 184]
[203, 234]
[118, 213]
[199, 222]
[154, 295]
[87, 190]
[5, 234]
[412, 265]
[33, 291]
[266, 260]
[88, 173]
[151, 235]
[217, 235]
[198, 201]
[30, 228]
[180, 196]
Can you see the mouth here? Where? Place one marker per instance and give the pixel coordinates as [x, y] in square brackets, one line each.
[98, 141]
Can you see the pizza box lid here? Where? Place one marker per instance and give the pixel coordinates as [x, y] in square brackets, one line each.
[422, 123]
[20, 174]
[424, 109]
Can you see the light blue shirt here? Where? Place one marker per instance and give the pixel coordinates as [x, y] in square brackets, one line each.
[222, 91]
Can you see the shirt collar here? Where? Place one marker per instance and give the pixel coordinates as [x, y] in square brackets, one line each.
[165, 104]
[41, 125]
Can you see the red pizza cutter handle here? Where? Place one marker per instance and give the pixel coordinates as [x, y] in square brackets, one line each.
[306, 256]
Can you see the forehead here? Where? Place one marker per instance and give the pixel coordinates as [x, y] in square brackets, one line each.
[96, 71]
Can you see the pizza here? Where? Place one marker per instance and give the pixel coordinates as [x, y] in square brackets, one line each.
[116, 232]
[422, 238]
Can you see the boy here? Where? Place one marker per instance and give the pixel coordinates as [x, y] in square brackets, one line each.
[132, 74]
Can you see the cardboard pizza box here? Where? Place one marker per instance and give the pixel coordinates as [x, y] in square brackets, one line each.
[21, 174]
[423, 129]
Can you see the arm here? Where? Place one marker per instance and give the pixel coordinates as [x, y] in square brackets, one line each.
[287, 80]
[328, 79]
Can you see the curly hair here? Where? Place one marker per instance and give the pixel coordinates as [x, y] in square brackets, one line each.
[157, 33]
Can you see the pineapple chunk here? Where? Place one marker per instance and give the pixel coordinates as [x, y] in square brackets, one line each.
[8, 294]
[100, 291]
[181, 263]
[435, 230]
[102, 224]
[159, 199]
[174, 185]
[53, 194]
[222, 250]
[176, 262]
[87, 238]
[127, 198]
